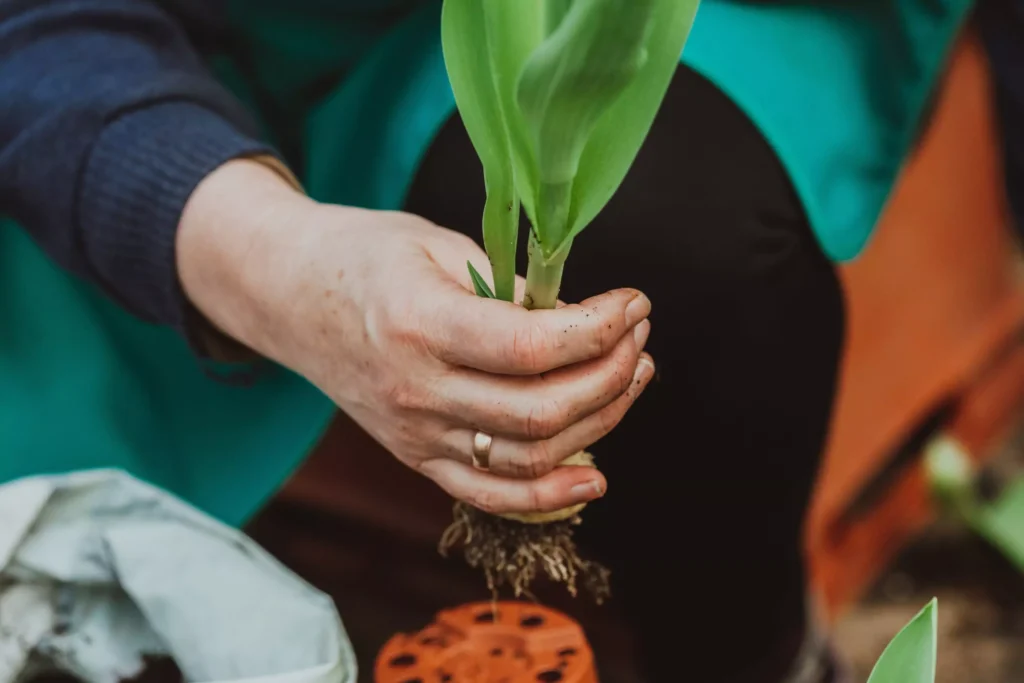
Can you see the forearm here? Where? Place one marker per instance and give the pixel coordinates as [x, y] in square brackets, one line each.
[231, 248]
[111, 122]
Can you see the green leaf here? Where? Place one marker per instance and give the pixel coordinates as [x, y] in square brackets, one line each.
[910, 656]
[557, 97]
[954, 481]
[514, 30]
[479, 283]
[567, 84]
[1001, 522]
[579, 70]
[468, 60]
[618, 135]
[556, 11]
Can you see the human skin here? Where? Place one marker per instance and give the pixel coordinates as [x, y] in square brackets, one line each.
[377, 310]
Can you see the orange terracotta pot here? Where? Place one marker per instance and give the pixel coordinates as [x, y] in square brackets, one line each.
[518, 642]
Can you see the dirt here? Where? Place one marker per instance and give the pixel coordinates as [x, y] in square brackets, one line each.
[981, 604]
[515, 554]
[981, 610]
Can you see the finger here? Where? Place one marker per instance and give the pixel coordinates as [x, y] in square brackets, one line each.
[562, 488]
[503, 338]
[533, 459]
[541, 406]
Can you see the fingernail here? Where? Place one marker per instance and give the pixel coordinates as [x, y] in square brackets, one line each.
[644, 369]
[587, 491]
[640, 334]
[638, 309]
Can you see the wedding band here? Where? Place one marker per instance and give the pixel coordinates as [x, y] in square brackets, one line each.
[481, 450]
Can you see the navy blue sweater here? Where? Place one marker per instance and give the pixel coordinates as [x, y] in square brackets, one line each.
[109, 120]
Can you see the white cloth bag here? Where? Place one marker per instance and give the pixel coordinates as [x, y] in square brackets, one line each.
[98, 569]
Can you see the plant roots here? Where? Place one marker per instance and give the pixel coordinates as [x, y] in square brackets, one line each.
[513, 553]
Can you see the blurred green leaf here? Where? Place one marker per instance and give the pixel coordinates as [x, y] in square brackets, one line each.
[1001, 522]
[910, 656]
[954, 481]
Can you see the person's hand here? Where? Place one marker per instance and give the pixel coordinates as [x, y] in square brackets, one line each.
[377, 310]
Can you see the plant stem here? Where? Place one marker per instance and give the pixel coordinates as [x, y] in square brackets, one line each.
[504, 274]
[501, 231]
[553, 202]
[543, 278]
[544, 273]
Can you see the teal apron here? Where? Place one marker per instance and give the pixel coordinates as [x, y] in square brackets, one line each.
[838, 91]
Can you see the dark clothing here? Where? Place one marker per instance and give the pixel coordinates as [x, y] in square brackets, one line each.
[747, 319]
[747, 326]
[1001, 23]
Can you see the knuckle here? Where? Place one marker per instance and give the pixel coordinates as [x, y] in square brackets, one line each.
[403, 328]
[625, 369]
[605, 335]
[591, 337]
[619, 378]
[406, 397]
[529, 348]
[534, 501]
[535, 462]
[544, 420]
[604, 339]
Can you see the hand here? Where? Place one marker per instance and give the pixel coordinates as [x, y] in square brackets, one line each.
[377, 310]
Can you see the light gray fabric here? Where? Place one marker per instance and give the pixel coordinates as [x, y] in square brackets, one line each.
[98, 569]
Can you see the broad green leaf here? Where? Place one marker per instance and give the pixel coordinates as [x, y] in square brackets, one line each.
[464, 30]
[557, 96]
[910, 656]
[479, 283]
[579, 70]
[556, 11]
[617, 137]
[568, 83]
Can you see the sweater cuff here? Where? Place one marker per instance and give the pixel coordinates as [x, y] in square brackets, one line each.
[141, 172]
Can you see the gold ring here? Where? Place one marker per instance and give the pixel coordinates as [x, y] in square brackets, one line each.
[482, 450]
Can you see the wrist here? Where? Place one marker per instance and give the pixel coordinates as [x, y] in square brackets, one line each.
[227, 251]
